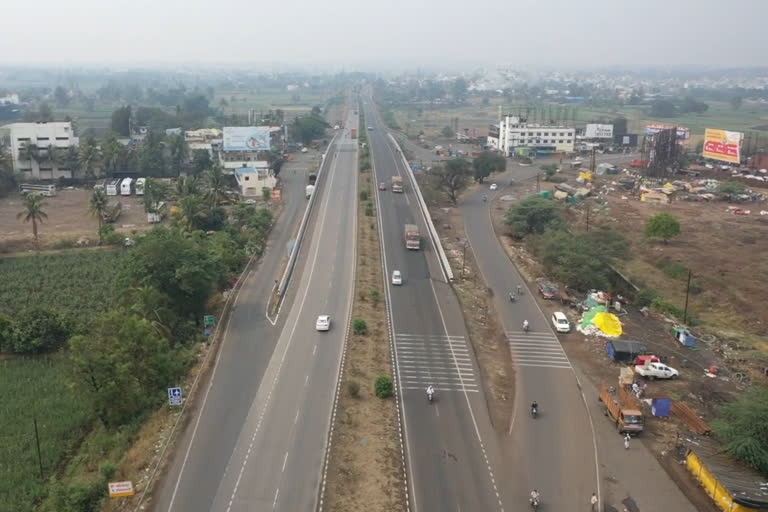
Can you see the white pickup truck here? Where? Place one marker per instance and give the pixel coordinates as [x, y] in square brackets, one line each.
[652, 370]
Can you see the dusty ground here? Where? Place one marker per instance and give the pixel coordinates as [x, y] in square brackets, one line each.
[702, 393]
[366, 468]
[485, 331]
[68, 220]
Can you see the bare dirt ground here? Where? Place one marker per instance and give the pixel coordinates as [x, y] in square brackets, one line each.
[68, 220]
[702, 393]
[485, 331]
[366, 468]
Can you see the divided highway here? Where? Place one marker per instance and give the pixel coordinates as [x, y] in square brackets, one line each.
[262, 433]
[454, 459]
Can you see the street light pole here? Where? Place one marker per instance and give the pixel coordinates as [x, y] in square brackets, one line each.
[463, 258]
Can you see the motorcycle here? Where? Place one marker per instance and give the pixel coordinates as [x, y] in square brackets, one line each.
[526, 327]
[534, 503]
[430, 394]
[534, 412]
[511, 298]
[485, 199]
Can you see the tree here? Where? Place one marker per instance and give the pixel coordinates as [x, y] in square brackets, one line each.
[731, 188]
[736, 101]
[488, 163]
[201, 161]
[691, 105]
[447, 132]
[451, 178]
[120, 366]
[113, 154]
[533, 215]
[33, 212]
[549, 169]
[61, 96]
[187, 186]
[179, 152]
[175, 263]
[459, 88]
[741, 428]
[7, 179]
[276, 160]
[154, 192]
[192, 213]
[308, 128]
[663, 108]
[662, 225]
[29, 152]
[216, 181]
[152, 158]
[89, 156]
[39, 329]
[72, 159]
[46, 113]
[151, 305]
[97, 205]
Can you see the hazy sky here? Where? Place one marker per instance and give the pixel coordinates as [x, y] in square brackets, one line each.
[356, 33]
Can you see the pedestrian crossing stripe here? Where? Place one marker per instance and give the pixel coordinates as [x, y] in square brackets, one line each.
[437, 359]
[540, 350]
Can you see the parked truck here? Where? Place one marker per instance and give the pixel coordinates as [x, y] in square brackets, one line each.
[397, 184]
[112, 212]
[412, 237]
[353, 133]
[627, 420]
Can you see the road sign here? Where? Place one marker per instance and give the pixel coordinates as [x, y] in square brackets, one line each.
[120, 489]
[207, 331]
[209, 320]
[174, 396]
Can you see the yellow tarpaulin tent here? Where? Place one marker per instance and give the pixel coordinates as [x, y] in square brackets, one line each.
[608, 323]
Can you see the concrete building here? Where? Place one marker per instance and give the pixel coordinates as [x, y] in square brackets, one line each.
[34, 147]
[516, 136]
[253, 181]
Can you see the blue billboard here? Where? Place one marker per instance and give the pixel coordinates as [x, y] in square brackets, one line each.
[246, 138]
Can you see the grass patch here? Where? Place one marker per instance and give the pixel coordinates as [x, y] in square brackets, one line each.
[36, 388]
[673, 269]
[77, 283]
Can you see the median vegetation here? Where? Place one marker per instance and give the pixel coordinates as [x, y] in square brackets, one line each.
[365, 469]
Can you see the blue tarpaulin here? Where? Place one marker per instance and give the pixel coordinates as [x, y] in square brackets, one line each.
[660, 407]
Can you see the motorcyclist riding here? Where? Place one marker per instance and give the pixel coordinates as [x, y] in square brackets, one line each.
[485, 198]
[430, 392]
[534, 408]
[525, 325]
[534, 498]
[511, 297]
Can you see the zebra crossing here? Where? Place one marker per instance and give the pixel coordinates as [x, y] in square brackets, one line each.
[539, 349]
[440, 360]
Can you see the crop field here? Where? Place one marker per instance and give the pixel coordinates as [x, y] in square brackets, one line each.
[78, 283]
[35, 389]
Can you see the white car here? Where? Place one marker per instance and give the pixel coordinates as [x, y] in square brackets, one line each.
[494, 186]
[250, 201]
[323, 323]
[656, 371]
[397, 277]
[560, 321]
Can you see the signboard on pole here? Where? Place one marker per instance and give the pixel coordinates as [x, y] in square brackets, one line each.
[599, 131]
[121, 489]
[209, 320]
[246, 138]
[683, 133]
[174, 396]
[722, 145]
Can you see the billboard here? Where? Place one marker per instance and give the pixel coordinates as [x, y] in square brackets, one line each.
[599, 131]
[683, 133]
[246, 138]
[722, 145]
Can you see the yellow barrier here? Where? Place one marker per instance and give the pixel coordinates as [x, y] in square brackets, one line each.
[716, 491]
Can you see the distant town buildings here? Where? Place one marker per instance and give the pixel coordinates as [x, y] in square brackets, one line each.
[37, 149]
[514, 135]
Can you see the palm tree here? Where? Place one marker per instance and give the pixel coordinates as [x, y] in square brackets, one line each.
[179, 152]
[113, 154]
[29, 152]
[89, 156]
[188, 186]
[192, 213]
[97, 205]
[217, 185]
[148, 303]
[33, 211]
[154, 192]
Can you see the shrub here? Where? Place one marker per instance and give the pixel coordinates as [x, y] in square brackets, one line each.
[383, 386]
[110, 236]
[369, 209]
[363, 195]
[40, 329]
[375, 296]
[353, 388]
[645, 297]
[108, 470]
[359, 327]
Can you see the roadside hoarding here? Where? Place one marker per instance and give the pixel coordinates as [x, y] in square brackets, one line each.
[121, 489]
[683, 133]
[599, 131]
[246, 138]
[722, 145]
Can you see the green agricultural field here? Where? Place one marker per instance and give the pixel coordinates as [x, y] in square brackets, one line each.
[265, 99]
[78, 283]
[35, 389]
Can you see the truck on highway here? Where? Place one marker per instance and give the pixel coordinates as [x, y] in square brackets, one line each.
[412, 237]
[628, 421]
[309, 190]
[353, 133]
[397, 184]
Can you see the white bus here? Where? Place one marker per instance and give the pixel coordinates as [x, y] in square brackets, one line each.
[33, 188]
[125, 187]
[113, 187]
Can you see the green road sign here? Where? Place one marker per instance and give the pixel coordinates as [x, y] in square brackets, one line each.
[209, 320]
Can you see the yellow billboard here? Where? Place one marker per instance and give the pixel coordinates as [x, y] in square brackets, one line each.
[722, 145]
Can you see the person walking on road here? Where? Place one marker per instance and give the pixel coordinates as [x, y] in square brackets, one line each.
[519, 289]
[626, 441]
[593, 502]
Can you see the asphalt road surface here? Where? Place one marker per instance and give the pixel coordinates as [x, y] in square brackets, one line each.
[454, 461]
[556, 449]
[262, 433]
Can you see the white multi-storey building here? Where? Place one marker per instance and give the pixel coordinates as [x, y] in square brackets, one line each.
[34, 148]
[516, 135]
